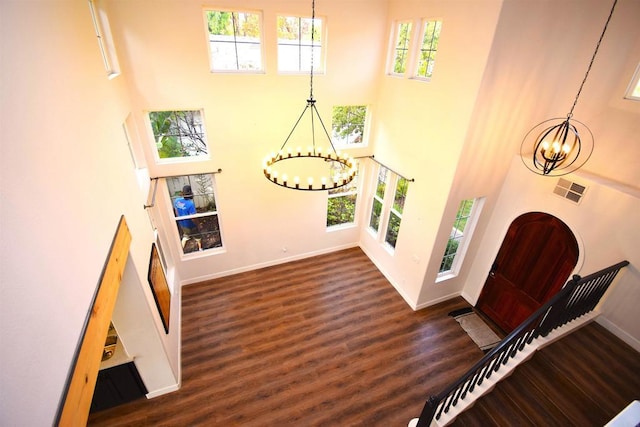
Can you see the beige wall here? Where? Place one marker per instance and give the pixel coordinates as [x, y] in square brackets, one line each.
[421, 131]
[67, 175]
[539, 57]
[246, 117]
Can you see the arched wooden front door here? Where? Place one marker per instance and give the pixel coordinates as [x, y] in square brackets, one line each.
[535, 260]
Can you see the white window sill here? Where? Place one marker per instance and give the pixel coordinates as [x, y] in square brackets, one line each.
[445, 276]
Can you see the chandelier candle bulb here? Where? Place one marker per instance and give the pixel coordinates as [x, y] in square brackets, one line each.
[299, 150]
[284, 179]
[296, 181]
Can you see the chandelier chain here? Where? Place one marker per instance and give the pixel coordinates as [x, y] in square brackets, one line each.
[604, 30]
[313, 28]
[334, 159]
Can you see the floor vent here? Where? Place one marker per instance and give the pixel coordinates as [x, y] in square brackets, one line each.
[569, 190]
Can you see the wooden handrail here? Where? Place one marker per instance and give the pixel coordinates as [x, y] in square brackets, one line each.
[578, 297]
[75, 402]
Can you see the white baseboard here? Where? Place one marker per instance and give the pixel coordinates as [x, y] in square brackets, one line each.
[623, 335]
[437, 300]
[165, 390]
[271, 263]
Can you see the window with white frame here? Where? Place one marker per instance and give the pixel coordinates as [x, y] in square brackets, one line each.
[388, 206]
[295, 44]
[348, 124]
[633, 91]
[400, 48]
[395, 211]
[342, 202]
[178, 134]
[460, 235]
[235, 40]
[378, 199]
[105, 40]
[428, 48]
[195, 212]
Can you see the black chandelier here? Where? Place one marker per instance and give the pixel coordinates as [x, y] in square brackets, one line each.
[561, 145]
[322, 169]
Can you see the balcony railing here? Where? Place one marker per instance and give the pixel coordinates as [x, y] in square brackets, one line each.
[579, 296]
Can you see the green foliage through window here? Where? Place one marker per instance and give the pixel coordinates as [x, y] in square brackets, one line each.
[341, 203]
[401, 49]
[388, 203]
[296, 44]
[465, 210]
[395, 214]
[234, 40]
[341, 210]
[430, 39]
[376, 211]
[178, 133]
[393, 228]
[348, 124]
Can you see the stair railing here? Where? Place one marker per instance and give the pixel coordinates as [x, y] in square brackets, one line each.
[578, 297]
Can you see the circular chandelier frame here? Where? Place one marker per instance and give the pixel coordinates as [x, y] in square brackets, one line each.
[313, 183]
[283, 180]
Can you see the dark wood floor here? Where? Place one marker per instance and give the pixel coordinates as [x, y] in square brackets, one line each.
[325, 341]
[588, 378]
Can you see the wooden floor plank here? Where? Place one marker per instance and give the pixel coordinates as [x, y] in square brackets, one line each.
[328, 341]
[321, 341]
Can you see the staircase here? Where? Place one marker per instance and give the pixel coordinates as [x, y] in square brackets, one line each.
[571, 308]
[584, 379]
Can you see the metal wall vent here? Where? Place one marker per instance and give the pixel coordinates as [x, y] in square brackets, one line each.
[569, 190]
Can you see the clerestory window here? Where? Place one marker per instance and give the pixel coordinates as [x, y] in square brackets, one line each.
[235, 40]
[348, 125]
[428, 48]
[178, 134]
[105, 40]
[295, 44]
[400, 51]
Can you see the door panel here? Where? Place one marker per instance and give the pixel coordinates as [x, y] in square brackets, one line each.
[535, 259]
